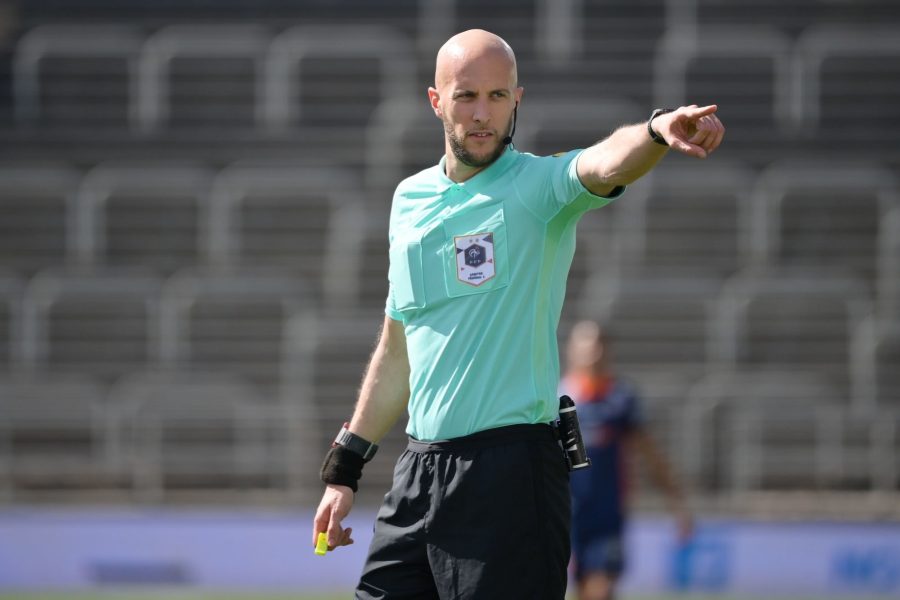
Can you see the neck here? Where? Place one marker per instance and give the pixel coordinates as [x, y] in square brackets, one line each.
[457, 170]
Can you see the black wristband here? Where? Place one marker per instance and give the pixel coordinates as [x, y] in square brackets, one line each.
[342, 467]
[653, 135]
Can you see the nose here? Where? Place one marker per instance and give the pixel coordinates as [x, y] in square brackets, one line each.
[481, 114]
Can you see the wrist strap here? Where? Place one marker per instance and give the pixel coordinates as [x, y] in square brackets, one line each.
[355, 443]
[653, 135]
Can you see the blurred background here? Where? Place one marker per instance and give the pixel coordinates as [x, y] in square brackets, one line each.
[194, 200]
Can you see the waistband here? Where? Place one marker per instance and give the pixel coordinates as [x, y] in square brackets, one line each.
[497, 436]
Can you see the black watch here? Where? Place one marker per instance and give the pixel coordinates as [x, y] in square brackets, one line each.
[355, 444]
[653, 135]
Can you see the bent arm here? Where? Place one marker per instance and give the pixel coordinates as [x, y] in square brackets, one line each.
[629, 152]
[663, 478]
[621, 159]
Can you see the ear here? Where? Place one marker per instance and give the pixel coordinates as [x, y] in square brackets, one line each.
[518, 94]
[434, 98]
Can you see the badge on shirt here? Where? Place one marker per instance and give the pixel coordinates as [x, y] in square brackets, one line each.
[475, 258]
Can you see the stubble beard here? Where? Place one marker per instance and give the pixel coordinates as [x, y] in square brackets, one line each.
[457, 146]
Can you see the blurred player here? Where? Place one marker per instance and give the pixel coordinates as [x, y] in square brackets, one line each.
[609, 411]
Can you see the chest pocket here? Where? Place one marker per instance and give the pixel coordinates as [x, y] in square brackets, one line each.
[475, 252]
[405, 274]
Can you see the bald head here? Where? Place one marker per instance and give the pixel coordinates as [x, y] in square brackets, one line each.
[469, 47]
[475, 95]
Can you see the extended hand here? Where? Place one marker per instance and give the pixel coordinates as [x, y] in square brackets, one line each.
[693, 130]
[335, 505]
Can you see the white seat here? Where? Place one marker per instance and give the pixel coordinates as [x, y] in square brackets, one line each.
[81, 92]
[104, 323]
[181, 430]
[234, 322]
[728, 413]
[202, 76]
[823, 214]
[798, 320]
[142, 214]
[311, 220]
[53, 434]
[395, 55]
[38, 205]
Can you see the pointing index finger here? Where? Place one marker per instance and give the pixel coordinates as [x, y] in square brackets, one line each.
[696, 113]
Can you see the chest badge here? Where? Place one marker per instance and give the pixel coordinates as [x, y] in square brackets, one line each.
[475, 258]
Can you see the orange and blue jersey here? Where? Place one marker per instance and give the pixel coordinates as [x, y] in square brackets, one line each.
[608, 410]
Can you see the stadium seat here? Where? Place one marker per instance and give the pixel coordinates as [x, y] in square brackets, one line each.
[401, 138]
[743, 426]
[549, 124]
[655, 320]
[887, 368]
[76, 76]
[830, 61]
[798, 320]
[202, 76]
[787, 17]
[823, 215]
[232, 322]
[308, 220]
[687, 227]
[36, 201]
[344, 56]
[53, 436]
[88, 322]
[888, 285]
[745, 70]
[195, 431]
[10, 320]
[142, 214]
[620, 59]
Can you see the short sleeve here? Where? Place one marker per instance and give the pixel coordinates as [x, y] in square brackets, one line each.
[389, 307]
[559, 187]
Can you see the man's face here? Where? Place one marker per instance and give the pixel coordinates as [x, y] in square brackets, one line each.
[476, 102]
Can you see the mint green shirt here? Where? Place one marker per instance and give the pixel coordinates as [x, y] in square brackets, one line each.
[477, 276]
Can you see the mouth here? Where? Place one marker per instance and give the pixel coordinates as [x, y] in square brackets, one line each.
[480, 135]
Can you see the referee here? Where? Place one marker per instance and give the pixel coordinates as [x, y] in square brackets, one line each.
[480, 248]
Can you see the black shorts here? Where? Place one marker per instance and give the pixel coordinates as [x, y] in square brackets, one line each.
[485, 516]
[604, 553]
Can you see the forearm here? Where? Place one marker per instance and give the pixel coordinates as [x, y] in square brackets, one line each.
[621, 159]
[666, 481]
[660, 472]
[384, 393]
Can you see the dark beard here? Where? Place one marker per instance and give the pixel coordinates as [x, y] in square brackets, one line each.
[466, 157]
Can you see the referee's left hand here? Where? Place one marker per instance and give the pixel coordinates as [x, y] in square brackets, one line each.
[692, 130]
[335, 505]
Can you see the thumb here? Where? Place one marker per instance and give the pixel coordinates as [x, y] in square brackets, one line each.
[688, 148]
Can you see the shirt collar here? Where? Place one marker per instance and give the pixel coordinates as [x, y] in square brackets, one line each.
[483, 177]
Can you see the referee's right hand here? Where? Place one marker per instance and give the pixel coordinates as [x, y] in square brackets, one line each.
[335, 505]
